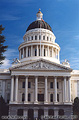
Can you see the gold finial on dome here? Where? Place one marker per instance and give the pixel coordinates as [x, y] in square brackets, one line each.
[39, 14]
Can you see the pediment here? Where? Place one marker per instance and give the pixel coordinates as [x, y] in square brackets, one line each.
[42, 65]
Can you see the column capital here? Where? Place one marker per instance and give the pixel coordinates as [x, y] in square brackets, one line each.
[55, 77]
[46, 76]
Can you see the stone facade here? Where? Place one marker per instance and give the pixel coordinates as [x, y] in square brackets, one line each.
[37, 84]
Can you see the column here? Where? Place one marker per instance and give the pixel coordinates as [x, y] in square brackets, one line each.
[35, 114]
[43, 50]
[52, 52]
[37, 51]
[48, 50]
[25, 114]
[36, 90]
[16, 89]
[31, 51]
[46, 90]
[26, 51]
[23, 52]
[64, 89]
[69, 89]
[3, 89]
[55, 89]
[12, 89]
[26, 90]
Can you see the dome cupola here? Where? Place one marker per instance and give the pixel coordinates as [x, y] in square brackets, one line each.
[39, 42]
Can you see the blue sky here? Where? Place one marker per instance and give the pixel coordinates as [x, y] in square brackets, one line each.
[61, 15]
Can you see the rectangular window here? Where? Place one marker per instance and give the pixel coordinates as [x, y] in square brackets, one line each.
[51, 84]
[39, 37]
[57, 85]
[23, 85]
[29, 84]
[47, 38]
[35, 52]
[51, 97]
[31, 37]
[39, 52]
[29, 97]
[21, 53]
[43, 37]
[28, 38]
[24, 52]
[58, 97]
[44, 52]
[35, 37]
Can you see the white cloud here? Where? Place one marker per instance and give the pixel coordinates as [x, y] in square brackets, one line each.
[8, 17]
[6, 64]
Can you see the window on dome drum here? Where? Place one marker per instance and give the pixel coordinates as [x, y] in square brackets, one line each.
[23, 97]
[51, 97]
[24, 52]
[44, 52]
[29, 84]
[35, 52]
[35, 37]
[57, 85]
[50, 52]
[31, 37]
[28, 38]
[29, 97]
[21, 53]
[47, 38]
[39, 52]
[51, 84]
[58, 97]
[43, 37]
[23, 85]
[39, 37]
[50, 39]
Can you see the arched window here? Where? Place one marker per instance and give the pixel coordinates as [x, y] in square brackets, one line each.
[47, 38]
[23, 97]
[44, 52]
[35, 37]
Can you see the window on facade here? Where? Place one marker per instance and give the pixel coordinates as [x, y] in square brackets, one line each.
[47, 38]
[23, 85]
[29, 97]
[39, 52]
[23, 97]
[8, 97]
[35, 37]
[57, 85]
[44, 52]
[35, 52]
[51, 84]
[51, 97]
[8, 86]
[43, 37]
[39, 37]
[31, 37]
[29, 84]
[28, 38]
[58, 97]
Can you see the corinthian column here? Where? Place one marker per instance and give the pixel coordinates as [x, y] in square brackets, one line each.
[16, 89]
[12, 88]
[36, 90]
[46, 100]
[55, 89]
[69, 89]
[26, 90]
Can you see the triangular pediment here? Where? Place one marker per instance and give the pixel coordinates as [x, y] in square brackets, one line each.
[41, 65]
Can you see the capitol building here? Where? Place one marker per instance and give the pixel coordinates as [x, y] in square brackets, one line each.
[37, 85]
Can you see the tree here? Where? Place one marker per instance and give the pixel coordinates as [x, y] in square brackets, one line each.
[76, 107]
[3, 108]
[2, 47]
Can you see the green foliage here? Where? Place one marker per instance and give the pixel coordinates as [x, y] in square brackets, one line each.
[2, 47]
[3, 108]
[76, 107]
